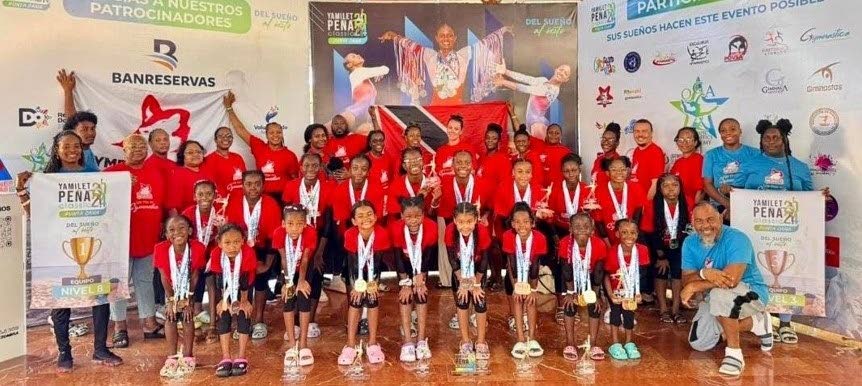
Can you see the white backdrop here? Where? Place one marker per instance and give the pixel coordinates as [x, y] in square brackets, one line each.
[259, 49]
[695, 63]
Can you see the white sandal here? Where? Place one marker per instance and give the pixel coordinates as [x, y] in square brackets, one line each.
[259, 331]
[313, 331]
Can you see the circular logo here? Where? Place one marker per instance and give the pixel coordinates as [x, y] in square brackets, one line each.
[823, 121]
[831, 207]
[632, 61]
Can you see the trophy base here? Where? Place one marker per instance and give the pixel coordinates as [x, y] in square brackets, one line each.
[585, 367]
[292, 374]
[525, 368]
[356, 373]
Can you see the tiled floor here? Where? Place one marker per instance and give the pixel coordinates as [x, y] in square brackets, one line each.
[667, 360]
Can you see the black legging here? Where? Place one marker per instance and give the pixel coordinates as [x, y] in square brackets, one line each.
[60, 317]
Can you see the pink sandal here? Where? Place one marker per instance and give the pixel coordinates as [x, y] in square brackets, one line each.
[348, 355]
[375, 354]
[597, 354]
[570, 353]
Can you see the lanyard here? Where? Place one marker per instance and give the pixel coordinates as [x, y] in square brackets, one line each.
[179, 275]
[672, 221]
[571, 202]
[204, 233]
[231, 278]
[526, 197]
[581, 266]
[632, 273]
[365, 253]
[465, 254]
[468, 191]
[414, 250]
[353, 195]
[251, 219]
[410, 187]
[294, 253]
[522, 257]
[620, 209]
[310, 201]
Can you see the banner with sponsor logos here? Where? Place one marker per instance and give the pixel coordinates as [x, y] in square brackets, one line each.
[79, 239]
[693, 63]
[13, 330]
[787, 232]
[257, 48]
[445, 54]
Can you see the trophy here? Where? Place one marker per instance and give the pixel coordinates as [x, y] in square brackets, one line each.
[81, 251]
[356, 372]
[524, 367]
[423, 367]
[591, 203]
[292, 368]
[466, 364]
[776, 262]
[586, 365]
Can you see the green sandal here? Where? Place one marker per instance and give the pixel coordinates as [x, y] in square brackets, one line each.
[632, 351]
[618, 352]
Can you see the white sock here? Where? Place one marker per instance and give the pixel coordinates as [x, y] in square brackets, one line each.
[734, 352]
[757, 326]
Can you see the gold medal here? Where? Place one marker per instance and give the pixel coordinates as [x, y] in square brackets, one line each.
[372, 286]
[289, 291]
[360, 286]
[181, 304]
[522, 288]
[630, 304]
[590, 296]
[582, 301]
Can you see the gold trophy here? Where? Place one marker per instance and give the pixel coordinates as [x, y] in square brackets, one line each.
[776, 262]
[591, 203]
[81, 251]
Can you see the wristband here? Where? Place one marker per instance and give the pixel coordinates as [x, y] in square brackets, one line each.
[534, 290]
[477, 285]
[700, 273]
[405, 283]
[570, 292]
[22, 192]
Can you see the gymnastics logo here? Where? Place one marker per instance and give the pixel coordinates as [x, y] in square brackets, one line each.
[347, 27]
[82, 199]
[698, 103]
[37, 157]
[776, 215]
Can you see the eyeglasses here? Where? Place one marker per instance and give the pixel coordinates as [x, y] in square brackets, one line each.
[685, 140]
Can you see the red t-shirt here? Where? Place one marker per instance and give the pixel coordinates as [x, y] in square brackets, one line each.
[483, 238]
[182, 184]
[539, 248]
[690, 172]
[504, 198]
[225, 171]
[398, 190]
[448, 199]
[341, 204]
[291, 194]
[247, 266]
[636, 200]
[190, 214]
[647, 164]
[278, 166]
[309, 242]
[446, 154]
[345, 147]
[429, 234]
[381, 239]
[557, 202]
[148, 198]
[597, 175]
[599, 250]
[552, 156]
[197, 256]
[612, 262]
[493, 169]
[535, 159]
[162, 165]
[384, 169]
[270, 216]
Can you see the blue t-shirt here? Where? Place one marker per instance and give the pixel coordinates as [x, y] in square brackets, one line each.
[722, 166]
[732, 247]
[86, 169]
[90, 160]
[770, 173]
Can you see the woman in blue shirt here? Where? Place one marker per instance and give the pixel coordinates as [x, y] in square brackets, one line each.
[721, 165]
[67, 156]
[776, 169]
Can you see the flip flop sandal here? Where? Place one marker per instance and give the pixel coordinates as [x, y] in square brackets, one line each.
[788, 335]
[305, 357]
[155, 334]
[169, 369]
[313, 331]
[570, 353]
[79, 329]
[534, 349]
[731, 366]
[632, 351]
[259, 331]
[348, 355]
[519, 351]
[482, 351]
[375, 354]
[223, 369]
[120, 339]
[240, 367]
[597, 354]
[666, 317]
[618, 352]
[679, 319]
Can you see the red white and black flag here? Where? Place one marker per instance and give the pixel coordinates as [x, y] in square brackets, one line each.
[432, 119]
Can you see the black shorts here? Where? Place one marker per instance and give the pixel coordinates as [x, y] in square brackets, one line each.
[674, 257]
[479, 307]
[261, 280]
[299, 302]
[366, 301]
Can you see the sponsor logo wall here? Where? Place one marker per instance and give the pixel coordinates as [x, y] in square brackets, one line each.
[159, 47]
[707, 60]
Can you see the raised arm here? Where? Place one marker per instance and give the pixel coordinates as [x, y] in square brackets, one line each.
[237, 125]
[67, 82]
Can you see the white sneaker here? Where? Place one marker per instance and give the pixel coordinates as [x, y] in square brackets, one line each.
[422, 350]
[323, 297]
[408, 353]
[337, 284]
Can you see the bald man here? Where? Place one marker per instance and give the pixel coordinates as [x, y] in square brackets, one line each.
[146, 222]
[719, 262]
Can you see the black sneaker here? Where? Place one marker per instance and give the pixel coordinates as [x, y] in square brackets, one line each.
[64, 362]
[107, 358]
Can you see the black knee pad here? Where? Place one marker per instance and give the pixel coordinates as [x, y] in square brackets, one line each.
[303, 303]
[371, 303]
[358, 304]
[570, 310]
[243, 323]
[462, 305]
[628, 320]
[616, 315]
[593, 310]
[480, 307]
[290, 304]
[224, 322]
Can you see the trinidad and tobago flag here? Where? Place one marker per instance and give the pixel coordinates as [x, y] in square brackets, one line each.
[432, 119]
